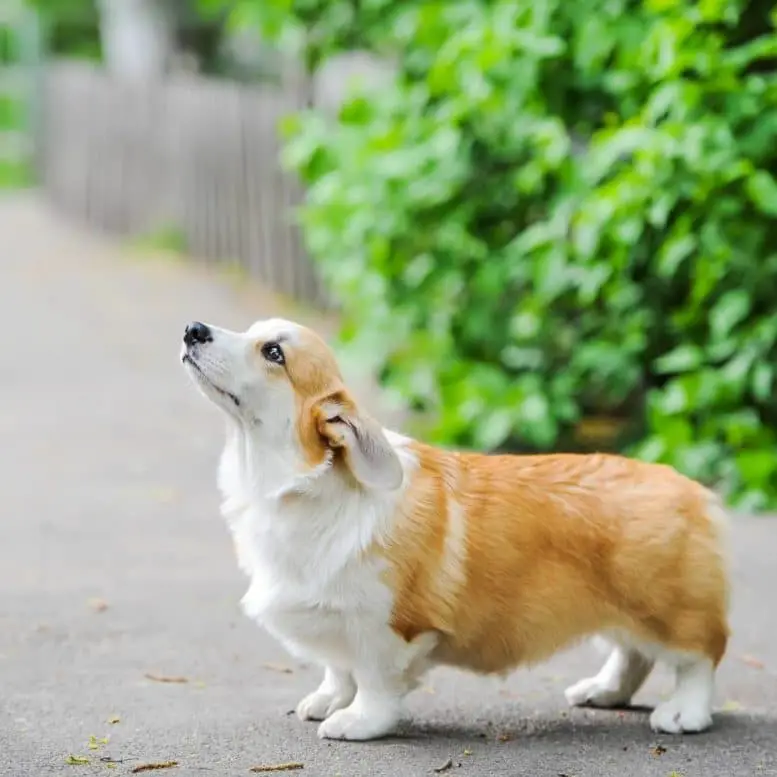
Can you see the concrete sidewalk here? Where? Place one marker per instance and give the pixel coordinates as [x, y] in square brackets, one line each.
[114, 565]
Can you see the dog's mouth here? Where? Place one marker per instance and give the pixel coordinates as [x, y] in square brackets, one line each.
[186, 359]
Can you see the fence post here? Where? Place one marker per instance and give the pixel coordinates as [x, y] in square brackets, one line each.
[32, 58]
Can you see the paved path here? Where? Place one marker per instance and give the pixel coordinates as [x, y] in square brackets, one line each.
[114, 565]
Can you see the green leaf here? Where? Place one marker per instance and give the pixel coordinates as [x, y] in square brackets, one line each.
[672, 399]
[762, 190]
[752, 500]
[757, 466]
[652, 449]
[673, 253]
[740, 427]
[763, 381]
[684, 358]
[537, 422]
[525, 325]
[698, 459]
[673, 433]
[729, 311]
[492, 431]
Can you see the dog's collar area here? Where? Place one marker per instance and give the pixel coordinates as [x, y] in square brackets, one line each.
[186, 359]
[302, 482]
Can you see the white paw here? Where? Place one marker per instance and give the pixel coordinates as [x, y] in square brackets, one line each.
[592, 691]
[320, 705]
[674, 717]
[354, 724]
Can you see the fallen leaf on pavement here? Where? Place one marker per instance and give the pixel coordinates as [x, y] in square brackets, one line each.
[657, 750]
[444, 767]
[98, 605]
[731, 706]
[161, 678]
[288, 767]
[76, 760]
[467, 751]
[753, 662]
[281, 668]
[95, 743]
[152, 767]
[115, 719]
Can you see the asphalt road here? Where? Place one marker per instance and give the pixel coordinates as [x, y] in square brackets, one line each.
[114, 565]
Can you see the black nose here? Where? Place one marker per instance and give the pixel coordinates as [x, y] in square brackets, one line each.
[197, 332]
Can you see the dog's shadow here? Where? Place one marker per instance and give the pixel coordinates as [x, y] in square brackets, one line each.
[582, 742]
[620, 726]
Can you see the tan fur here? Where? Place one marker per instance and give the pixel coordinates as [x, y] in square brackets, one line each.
[557, 548]
[511, 558]
[314, 375]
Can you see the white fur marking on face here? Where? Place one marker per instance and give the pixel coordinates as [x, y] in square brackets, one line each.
[274, 329]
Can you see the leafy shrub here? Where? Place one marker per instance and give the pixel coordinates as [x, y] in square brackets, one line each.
[555, 228]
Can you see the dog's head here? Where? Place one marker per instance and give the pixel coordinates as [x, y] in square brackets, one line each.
[282, 381]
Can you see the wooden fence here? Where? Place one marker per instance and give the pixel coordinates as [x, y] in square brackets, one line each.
[187, 155]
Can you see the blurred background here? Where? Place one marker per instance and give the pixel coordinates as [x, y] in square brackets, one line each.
[527, 226]
[542, 226]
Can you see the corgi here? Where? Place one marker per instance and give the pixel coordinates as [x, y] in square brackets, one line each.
[378, 557]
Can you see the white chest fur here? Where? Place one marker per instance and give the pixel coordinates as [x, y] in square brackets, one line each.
[302, 546]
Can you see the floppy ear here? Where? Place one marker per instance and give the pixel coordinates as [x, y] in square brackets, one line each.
[366, 451]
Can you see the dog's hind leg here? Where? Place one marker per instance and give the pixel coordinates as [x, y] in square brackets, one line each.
[622, 675]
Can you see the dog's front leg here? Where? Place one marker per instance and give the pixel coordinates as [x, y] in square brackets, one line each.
[337, 691]
[375, 710]
[383, 675]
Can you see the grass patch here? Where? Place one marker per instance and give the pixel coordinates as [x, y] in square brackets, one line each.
[167, 238]
[15, 174]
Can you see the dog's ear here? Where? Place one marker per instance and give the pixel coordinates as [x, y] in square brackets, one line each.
[366, 451]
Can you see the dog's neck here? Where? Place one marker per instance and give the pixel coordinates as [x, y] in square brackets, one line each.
[262, 464]
[284, 503]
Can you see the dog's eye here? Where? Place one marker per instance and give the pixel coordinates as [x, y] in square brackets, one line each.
[273, 353]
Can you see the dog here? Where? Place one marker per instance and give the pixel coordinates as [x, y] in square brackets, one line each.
[378, 557]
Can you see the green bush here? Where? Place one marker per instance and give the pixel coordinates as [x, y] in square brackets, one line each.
[556, 227]
[71, 28]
